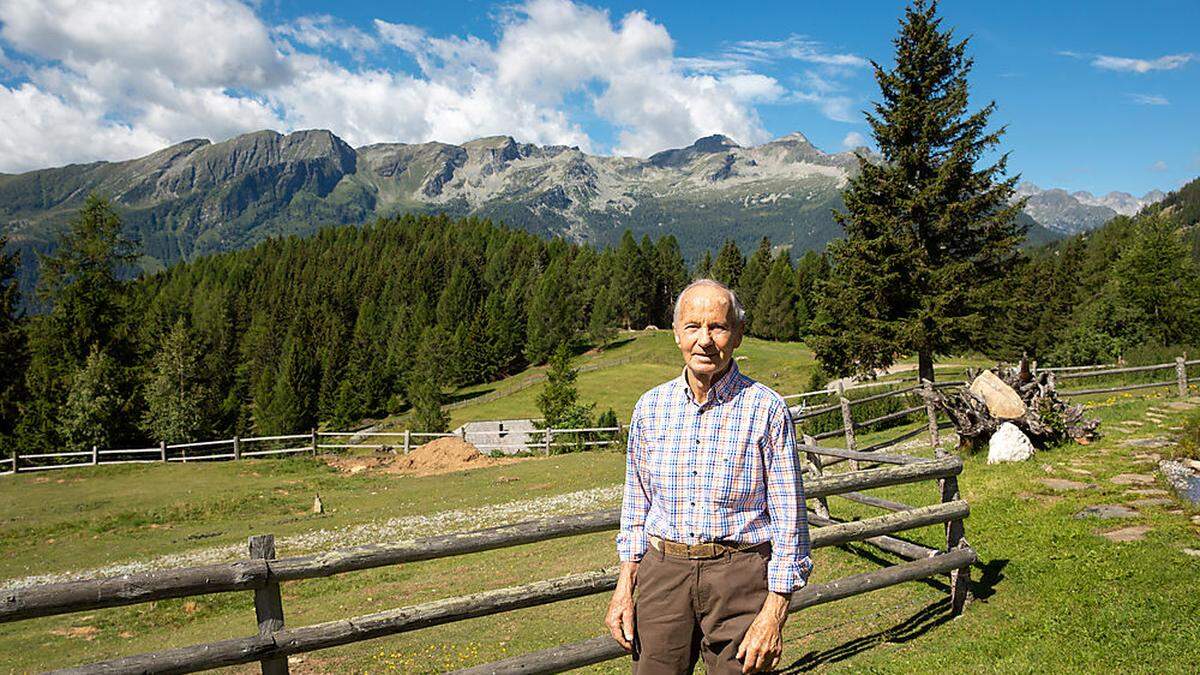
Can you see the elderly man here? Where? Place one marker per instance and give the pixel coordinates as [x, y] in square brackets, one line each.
[713, 529]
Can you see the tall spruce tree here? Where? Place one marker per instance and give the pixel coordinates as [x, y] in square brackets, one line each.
[728, 266]
[425, 381]
[928, 236]
[175, 395]
[750, 282]
[775, 304]
[559, 399]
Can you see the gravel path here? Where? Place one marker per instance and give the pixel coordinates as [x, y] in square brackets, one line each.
[393, 529]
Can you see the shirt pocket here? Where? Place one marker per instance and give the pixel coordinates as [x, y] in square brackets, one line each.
[739, 480]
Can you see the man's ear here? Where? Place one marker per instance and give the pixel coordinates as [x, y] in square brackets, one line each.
[675, 334]
[737, 335]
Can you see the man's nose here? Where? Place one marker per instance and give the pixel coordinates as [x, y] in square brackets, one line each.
[705, 338]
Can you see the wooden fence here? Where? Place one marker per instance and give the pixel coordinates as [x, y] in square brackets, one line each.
[1180, 381]
[262, 573]
[237, 448]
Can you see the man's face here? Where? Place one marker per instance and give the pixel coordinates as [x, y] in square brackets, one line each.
[707, 331]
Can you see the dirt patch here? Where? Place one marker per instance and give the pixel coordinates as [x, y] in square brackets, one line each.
[443, 455]
[86, 632]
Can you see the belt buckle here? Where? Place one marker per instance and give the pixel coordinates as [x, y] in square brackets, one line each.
[694, 552]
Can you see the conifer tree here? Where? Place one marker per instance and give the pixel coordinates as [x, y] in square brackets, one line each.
[751, 281]
[559, 399]
[602, 324]
[425, 384]
[775, 307]
[291, 407]
[553, 312]
[634, 294]
[728, 266]
[94, 404]
[704, 267]
[670, 277]
[175, 396]
[928, 236]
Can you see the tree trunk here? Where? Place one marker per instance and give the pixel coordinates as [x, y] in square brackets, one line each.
[925, 364]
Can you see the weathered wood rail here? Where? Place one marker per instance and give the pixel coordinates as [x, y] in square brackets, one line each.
[262, 573]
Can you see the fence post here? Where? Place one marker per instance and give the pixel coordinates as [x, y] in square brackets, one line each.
[546, 448]
[960, 578]
[406, 441]
[822, 506]
[847, 421]
[237, 447]
[162, 451]
[268, 604]
[1181, 375]
[935, 440]
[95, 455]
[462, 432]
[16, 459]
[617, 438]
[314, 442]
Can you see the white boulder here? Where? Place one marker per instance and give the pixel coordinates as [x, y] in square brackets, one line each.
[1009, 444]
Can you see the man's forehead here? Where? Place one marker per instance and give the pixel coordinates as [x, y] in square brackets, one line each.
[704, 300]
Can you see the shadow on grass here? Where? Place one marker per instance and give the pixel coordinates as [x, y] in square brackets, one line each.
[924, 620]
[921, 622]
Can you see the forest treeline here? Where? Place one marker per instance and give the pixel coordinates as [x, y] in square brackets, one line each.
[363, 322]
[351, 323]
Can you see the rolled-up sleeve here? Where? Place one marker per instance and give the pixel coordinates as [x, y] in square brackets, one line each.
[790, 562]
[631, 540]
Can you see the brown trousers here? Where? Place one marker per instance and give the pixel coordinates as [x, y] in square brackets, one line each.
[690, 608]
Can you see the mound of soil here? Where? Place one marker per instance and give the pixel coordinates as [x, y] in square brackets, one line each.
[439, 456]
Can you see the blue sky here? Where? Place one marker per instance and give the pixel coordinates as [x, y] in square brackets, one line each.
[1096, 96]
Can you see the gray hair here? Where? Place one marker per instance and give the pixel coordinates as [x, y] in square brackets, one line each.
[738, 311]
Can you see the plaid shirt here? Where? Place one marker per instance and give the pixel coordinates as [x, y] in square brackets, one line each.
[726, 470]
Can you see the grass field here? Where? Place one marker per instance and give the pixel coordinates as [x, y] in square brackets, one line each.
[1051, 593]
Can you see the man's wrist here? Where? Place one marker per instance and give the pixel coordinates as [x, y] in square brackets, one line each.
[775, 607]
[627, 576]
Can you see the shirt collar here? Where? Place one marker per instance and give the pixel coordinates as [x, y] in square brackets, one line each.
[720, 391]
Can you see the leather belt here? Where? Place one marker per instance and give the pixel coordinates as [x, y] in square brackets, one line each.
[708, 549]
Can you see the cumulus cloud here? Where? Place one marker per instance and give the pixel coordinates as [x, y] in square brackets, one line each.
[854, 140]
[108, 79]
[1131, 65]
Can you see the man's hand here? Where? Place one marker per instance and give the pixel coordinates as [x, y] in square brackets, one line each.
[620, 609]
[762, 646]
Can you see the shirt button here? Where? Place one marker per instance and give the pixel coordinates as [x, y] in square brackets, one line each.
[697, 441]
[693, 503]
[695, 473]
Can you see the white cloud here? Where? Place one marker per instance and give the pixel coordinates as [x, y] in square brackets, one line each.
[108, 79]
[323, 30]
[1131, 65]
[854, 140]
[1158, 166]
[1148, 99]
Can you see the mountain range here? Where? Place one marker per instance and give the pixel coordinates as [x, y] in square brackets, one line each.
[1073, 212]
[199, 197]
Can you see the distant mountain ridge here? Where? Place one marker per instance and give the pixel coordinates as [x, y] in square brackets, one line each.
[1073, 212]
[199, 197]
